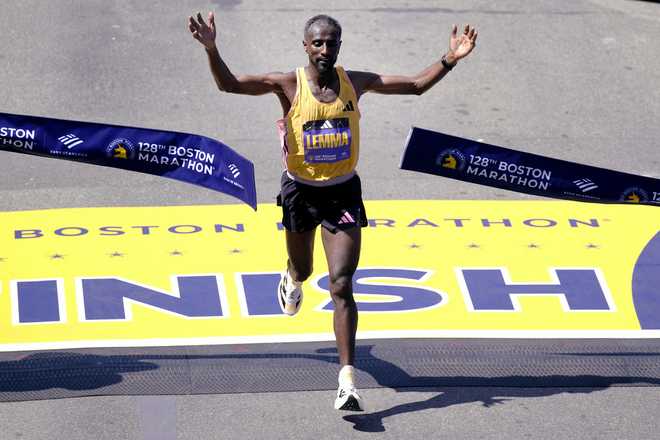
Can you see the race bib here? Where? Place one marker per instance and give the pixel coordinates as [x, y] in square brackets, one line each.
[327, 141]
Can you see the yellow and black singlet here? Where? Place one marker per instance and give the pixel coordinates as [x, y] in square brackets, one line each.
[321, 141]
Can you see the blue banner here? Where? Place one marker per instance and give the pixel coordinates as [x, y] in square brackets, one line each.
[471, 161]
[186, 157]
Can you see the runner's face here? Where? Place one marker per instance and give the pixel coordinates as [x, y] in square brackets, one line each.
[322, 43]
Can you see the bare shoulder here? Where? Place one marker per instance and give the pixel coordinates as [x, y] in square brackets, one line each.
[284, 77]
[361, 80]
[357, 76]
[271, 82]
[287, 82]
[280, 79]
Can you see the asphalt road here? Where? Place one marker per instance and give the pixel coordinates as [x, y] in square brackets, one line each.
[576, 80]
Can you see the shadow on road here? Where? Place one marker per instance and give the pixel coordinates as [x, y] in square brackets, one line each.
[94, 373]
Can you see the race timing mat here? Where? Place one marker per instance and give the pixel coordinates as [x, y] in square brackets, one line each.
[200, 275]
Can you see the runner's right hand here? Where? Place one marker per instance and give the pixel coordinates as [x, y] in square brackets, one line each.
[202, 32]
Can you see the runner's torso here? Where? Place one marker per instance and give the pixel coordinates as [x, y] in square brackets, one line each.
[321, 140]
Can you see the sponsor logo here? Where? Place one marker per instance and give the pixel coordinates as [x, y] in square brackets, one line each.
[346, 218]
[121, 149]
[234, 170]
[348, 107]
[585, 185]
[635, 195]
[70, 140]
[451, 159]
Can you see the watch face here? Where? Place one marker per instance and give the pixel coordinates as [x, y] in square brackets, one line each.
[444, 62]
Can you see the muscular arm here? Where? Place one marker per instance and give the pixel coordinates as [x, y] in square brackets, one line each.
[276, 82]
[459, 47]
[398, 84]
[245, 84]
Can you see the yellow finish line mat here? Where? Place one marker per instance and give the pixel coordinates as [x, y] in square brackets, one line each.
[207, 275]
[180, 300]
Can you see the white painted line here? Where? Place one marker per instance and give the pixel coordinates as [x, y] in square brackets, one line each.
[329, 337]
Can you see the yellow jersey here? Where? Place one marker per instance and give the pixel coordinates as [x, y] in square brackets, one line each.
[321, 141]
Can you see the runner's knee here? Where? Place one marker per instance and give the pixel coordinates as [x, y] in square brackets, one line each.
[300, 272]
[341, 287]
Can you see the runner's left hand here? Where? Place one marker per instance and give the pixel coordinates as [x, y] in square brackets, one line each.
[461, 45]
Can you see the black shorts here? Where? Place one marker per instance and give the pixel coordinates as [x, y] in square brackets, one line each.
[335, 207]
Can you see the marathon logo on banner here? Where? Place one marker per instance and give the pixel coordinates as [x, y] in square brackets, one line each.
[186, 157]
[471, 161]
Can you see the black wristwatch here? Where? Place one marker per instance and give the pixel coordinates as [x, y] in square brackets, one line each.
[446, 65]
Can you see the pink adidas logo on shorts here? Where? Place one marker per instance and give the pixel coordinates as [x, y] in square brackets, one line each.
[346, 218]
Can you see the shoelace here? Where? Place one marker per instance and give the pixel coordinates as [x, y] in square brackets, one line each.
[292, 295]
[348, 390]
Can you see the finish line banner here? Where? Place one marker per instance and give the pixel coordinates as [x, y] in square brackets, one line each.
[186, 157]
[471, 161]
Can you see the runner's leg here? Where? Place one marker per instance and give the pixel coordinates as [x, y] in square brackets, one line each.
[342, 250]
[300, 248]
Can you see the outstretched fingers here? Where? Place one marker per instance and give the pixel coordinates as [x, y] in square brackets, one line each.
[194, 29]
[198, 24]
[461, 45]
[200, 20]
[470, 32]
[202, 32]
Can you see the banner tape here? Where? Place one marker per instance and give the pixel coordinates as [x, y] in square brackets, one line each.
[440, 154]
[186, 157]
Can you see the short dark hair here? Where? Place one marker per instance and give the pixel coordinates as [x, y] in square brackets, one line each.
[322, 18]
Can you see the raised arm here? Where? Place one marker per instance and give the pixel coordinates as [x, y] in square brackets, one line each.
[224, 78]
[460, 46]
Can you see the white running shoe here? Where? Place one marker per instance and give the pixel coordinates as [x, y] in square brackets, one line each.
[290, 294]
[348, 399]
[347, 396]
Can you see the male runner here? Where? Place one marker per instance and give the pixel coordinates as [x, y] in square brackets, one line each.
[320, 140]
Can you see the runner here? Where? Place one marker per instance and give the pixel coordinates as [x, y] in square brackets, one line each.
[320, 139]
